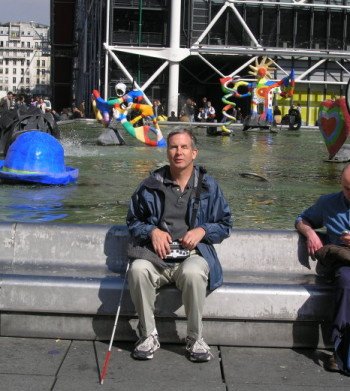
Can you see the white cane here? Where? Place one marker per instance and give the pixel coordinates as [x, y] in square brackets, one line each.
[108, 354]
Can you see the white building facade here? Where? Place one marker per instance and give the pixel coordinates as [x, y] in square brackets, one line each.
[25, 63]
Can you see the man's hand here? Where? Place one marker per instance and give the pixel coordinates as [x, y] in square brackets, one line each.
[313, 243]
[192, 238]
[161, 242]
[345, 238]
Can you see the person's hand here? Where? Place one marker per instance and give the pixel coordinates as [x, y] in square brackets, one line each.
[161, 242]
[313, 243]
[192, 238]
[345, 238]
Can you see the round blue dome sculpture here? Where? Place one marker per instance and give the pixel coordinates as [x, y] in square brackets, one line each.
[37, 157]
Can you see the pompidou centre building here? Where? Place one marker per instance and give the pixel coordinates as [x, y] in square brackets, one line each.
[179, 49]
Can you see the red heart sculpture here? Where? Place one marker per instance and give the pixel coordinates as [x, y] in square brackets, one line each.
[334, 124]
[328, 125]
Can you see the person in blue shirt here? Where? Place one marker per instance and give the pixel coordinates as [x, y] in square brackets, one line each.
[332, 211]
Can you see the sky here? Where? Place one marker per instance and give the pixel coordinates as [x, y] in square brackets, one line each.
[25, 11]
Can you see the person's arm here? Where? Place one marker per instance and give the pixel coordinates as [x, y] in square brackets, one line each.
[143, 231]
[313, 241]
[137, 217]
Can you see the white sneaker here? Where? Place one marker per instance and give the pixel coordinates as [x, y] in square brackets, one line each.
[146, 346]
[198, 350]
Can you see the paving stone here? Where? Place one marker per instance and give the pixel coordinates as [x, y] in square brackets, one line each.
[271, 387]
[168, 367]
[80, 362]
[31, 356]
[283, 368]
[26, 382]
[149, 383]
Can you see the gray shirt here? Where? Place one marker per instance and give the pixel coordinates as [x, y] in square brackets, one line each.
[175, 214]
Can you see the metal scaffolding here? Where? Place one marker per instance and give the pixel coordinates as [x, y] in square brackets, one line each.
[97, 54]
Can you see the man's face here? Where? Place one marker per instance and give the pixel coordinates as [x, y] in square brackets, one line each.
[181, 154]
[345, 183]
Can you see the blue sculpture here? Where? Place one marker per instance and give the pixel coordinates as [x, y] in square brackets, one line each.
[37, 157]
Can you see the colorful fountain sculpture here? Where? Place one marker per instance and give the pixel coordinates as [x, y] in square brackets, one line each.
[128, 109]
[261, 93]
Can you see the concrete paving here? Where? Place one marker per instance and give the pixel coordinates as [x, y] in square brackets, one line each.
[65, 365]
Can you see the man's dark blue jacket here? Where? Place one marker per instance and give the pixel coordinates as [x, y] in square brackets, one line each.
[214, 216]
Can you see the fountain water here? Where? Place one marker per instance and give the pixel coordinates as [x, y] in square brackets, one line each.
[292, 162]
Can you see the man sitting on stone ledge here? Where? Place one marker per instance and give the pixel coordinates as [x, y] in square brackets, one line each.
[332, 211]
[175, 216]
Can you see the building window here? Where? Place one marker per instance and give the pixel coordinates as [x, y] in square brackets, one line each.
[38, 71]
[22, 71]
[38, 63]
[14, 71]
[13, 80]
[28, 44]
[22, 44]
[27, 80]
[43, 72]
[6, 71]
[37, 81]
[28, 63]
[42, 63]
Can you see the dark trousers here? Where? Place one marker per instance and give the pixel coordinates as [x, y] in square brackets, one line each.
[341, 323]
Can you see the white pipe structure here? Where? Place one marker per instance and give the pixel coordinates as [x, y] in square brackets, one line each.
[108, 8]
[227, 4]
[126, 72]
[210, 65]
[299, 3]
[211, 24]
[236, 72]
[155, 75]
[174, 67]
[280, 68]
[341, 66]
[244, 25]
[173, 55]
[301, 77]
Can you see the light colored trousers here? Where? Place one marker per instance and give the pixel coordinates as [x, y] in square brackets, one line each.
[190, 276]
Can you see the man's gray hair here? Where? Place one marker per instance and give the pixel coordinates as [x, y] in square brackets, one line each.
[183, 131]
